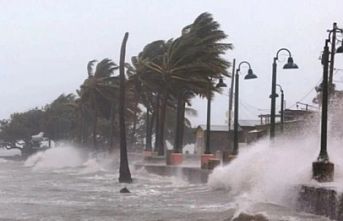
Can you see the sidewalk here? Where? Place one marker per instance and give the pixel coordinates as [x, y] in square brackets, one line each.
[189, 171]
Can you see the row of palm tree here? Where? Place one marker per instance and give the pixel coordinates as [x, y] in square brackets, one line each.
[172, 72]
[165, 74]
[163, 77]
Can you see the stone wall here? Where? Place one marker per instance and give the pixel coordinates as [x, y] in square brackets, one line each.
[323, 201]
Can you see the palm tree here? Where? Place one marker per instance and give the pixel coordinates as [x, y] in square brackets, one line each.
[97, 90]
[182, 68]
[124, 170]
[149, 85]
[190, 64]
[199, 66]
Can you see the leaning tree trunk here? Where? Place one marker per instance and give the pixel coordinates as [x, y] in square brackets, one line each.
[163, 109]
[124, 170]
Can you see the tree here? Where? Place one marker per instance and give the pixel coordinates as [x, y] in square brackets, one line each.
[97, 91]
[187, 65]
[147, 85]
[21, 126]
[60, 118]
[124, 170]
[202, 62]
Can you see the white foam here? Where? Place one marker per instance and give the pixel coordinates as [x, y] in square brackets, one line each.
[55, 158]
[269, 172]
[91, 166]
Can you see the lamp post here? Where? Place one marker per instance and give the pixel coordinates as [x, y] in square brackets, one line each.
[289, 65]
[207, 154]
[226, 152]
[231, 94]
[323, 169]
[281, 107]
[208, 123]
[250, 75]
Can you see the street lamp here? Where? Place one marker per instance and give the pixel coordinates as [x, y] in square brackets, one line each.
[323, 169]
[333, 40]
[207, 154]
[250, 75]
[208, 124]
[281, 107]
[289, 65]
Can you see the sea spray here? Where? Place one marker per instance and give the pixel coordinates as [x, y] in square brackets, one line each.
[56, 158]
[272, 171]
[100, 163]
[68, 156]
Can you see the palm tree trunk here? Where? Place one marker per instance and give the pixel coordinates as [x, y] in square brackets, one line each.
[148, 144]
[157, 122]
[124, 170]
[86, 131]
[111, 129]
[163, 109]
[80, 130]
[182, 125]
[95, 121]
[177, 146]
[152, 121]
[133, 132]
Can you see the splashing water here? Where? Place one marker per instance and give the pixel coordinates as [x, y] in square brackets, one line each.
[271, 172]
[56, 158]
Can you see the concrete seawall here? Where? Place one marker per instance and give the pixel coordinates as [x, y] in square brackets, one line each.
[325, 201]
[189, 174]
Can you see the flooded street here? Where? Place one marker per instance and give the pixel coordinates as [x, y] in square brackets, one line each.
[86, 189]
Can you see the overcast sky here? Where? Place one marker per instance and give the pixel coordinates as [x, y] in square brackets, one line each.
[45, 45]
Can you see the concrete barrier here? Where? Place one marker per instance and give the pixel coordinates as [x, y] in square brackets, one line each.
[325, 201]
[189, 174]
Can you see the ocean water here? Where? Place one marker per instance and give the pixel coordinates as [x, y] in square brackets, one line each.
[65, 183]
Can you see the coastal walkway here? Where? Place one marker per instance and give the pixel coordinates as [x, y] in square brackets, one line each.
[189, 170]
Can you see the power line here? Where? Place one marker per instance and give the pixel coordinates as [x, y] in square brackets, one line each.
[254, 115]
[308, 93]
[252, 106]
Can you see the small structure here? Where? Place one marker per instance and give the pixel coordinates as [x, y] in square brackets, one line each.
[222, 139]
[37, 143]
[252, 130]
[294, 121]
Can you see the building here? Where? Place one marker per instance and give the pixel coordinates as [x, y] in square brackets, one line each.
[221, 139]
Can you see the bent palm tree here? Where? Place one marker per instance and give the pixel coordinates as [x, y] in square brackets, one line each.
[124, 170]
[97, 90]
[191, 63]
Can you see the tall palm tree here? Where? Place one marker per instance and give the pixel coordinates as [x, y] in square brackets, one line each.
[124, 170]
